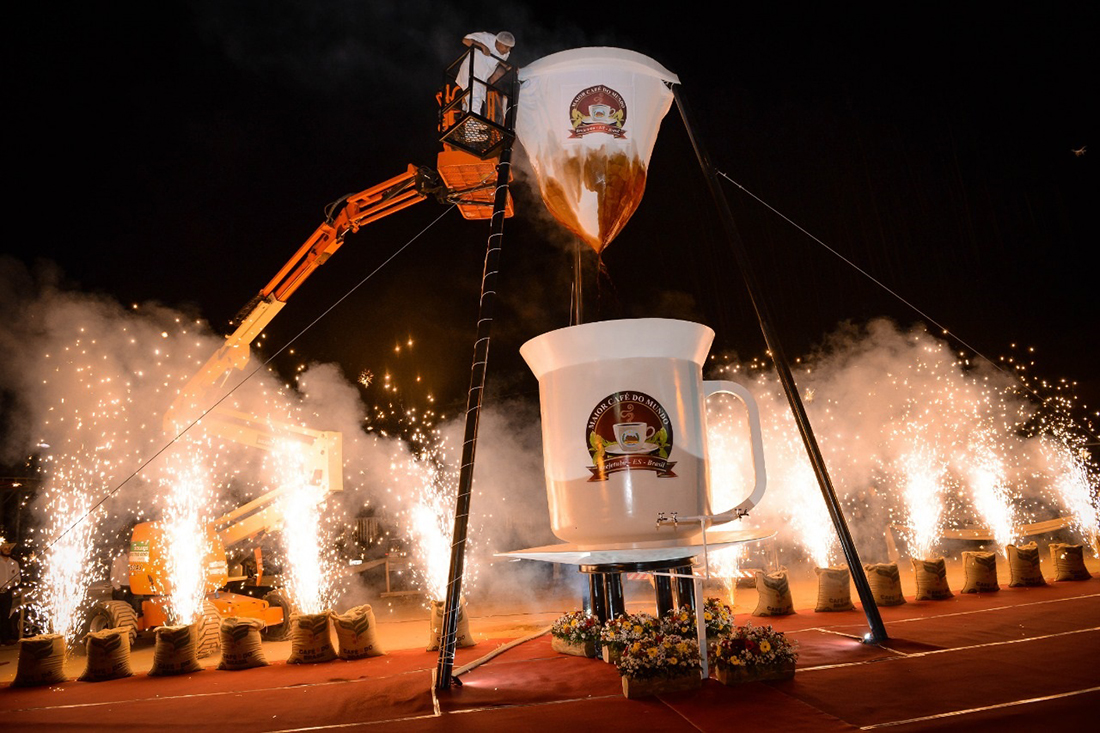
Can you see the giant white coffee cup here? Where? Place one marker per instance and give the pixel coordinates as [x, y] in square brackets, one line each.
[624, 428]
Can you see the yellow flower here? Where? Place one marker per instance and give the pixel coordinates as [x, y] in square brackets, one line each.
[637, 629]
[765, 647]
[737, 662]
[672, 660]
[636, 647]
[707, 616]
[652, 651]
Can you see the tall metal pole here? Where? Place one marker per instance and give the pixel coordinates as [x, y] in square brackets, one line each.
[449, 631]
[771, 339]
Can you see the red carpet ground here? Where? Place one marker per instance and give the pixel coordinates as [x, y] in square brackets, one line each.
[1019, 659]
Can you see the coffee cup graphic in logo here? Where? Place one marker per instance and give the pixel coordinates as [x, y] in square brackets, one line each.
[632, 436]
[599, 112]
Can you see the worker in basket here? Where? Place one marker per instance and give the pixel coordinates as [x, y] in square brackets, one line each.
[487, 70]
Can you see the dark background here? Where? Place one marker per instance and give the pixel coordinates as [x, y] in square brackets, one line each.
[180, 152]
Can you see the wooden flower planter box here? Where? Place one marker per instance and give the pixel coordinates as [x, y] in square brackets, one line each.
[635, 688]
[731, 675]
[612, 655]
[584, 649]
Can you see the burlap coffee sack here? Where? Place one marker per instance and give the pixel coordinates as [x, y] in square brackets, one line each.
[931, 576]
[885, 581]
[462, 630]
[834, 589]
[356, 633]
[175, 652]
[241, 644]
[773, 594]
[1068, 561]
[981, 572]
[1023, 565]
[41, 661]
[108, 655]
[311, 639]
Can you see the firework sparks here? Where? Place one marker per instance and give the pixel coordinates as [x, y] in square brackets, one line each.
[64, 584]
[989, 489]
[921, 480]
[186, 496]
[914, 435]
[427, 516]
[310, 570]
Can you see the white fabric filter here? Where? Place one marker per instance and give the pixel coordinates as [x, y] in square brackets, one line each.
[588, 119]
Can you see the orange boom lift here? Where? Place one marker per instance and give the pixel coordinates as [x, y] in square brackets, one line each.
[465, 175]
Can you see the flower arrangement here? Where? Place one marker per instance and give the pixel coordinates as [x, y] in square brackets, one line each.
[576, 627]
[623, 630]
[575, 633]
[718, 617]
[657, 655]
[754, 652]
[626, 629]
[679, 621]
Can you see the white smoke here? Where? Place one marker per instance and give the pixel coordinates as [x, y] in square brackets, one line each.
[91, 379]
[913, 437]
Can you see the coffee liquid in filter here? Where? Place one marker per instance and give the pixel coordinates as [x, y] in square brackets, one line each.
[588, 119]
[616, 183]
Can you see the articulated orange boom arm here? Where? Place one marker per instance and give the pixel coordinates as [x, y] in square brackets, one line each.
[347, 214]
[359, 209]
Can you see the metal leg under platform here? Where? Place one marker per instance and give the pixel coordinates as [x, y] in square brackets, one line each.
[605, 585]
[685, 587]
[597, 597]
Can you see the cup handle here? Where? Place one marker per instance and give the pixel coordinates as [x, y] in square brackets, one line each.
[650, 432]
[743, 394]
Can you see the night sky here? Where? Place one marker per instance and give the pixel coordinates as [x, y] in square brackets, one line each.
[181, 152]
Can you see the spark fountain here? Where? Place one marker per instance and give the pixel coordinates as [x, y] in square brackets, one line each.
[69, 544]
[972, 460]
[186, 494]
[310, 570]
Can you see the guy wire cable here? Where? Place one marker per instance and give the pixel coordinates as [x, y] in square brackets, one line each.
[872, 278]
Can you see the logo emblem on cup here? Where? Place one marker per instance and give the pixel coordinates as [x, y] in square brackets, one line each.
[629, 431]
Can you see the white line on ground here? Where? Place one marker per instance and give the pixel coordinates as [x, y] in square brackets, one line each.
[968, 711]
[453, 712]
[915, 655]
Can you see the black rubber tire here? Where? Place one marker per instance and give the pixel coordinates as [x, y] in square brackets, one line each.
[208, 641]
[278, 632]
[112, 615]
